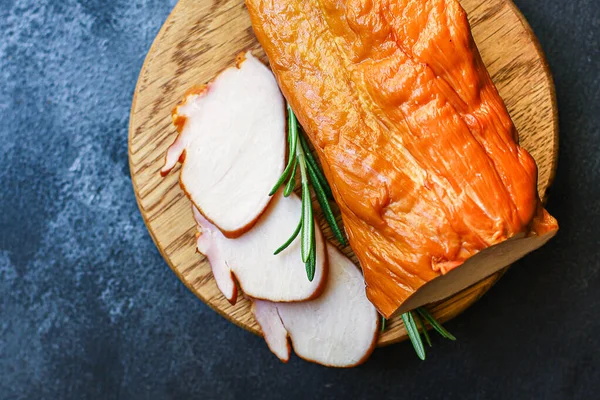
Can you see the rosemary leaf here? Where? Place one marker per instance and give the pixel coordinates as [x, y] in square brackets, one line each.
[435, 324]
[322, 199]
[282, 179]
[312, 261]
[423, 328]
[383, 323]
[307, 222]
[289, 188]
[312, 162]
[292, 130]
[293, 143]
[413, 334]
[291, 239]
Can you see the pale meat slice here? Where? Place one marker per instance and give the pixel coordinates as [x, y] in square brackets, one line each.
[338, 329]
[231, 145]
[249, 259]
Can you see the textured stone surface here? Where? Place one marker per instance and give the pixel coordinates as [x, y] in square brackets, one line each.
[88, 308]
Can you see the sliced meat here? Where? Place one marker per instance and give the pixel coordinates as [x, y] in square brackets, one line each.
[249, 259]
[231, 144]
[338, 329]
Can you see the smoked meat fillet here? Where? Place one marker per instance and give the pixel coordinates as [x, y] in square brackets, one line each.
[419, 149]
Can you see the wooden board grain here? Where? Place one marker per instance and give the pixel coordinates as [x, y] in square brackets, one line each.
[201, 37]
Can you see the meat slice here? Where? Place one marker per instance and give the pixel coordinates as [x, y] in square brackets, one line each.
[338, 329]
[249, 259]
[231, 144]
[419, 149]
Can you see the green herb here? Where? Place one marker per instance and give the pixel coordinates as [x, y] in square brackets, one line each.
[308, 222]
[327, 212]
[293, 143]
[290, 240]
[312, 261]
[414, 335]
[423, 328]
[313, 163]
[301, 158]
[289, 188]
[435, 325]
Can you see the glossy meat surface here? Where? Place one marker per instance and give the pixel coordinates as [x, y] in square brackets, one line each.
[416, 142]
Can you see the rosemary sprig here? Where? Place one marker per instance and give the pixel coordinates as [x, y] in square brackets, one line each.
[322, 190]
[301, 158]
[415, 327]
[410, 323]
[313, 163]
[435, 324]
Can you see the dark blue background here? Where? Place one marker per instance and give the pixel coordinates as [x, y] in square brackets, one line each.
[89, 309]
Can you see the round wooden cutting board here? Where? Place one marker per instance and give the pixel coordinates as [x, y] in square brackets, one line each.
[202, 37]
